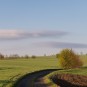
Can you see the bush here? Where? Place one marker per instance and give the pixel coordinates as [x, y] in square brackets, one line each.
[68, 59]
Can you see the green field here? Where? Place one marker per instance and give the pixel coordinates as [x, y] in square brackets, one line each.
[12, 69]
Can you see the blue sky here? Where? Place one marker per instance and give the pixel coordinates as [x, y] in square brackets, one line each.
[42, 26]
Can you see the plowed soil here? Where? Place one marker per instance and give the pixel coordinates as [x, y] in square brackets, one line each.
[69, 80]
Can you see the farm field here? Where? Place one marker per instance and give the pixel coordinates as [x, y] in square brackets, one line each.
[43, 43]
[12, 69]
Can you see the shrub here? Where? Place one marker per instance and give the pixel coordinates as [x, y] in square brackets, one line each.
[68, 59]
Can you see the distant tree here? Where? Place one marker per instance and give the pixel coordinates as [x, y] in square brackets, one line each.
[33, 56]
[81, 53]
[26, 56]
[1, 56]
[68, 59]
[57, 55]
[44, 54]
[15, 56]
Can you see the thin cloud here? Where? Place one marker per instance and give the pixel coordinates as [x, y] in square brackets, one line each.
[15, 34]
[63, 45]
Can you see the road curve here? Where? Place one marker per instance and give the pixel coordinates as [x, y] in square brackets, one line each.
[27, 80]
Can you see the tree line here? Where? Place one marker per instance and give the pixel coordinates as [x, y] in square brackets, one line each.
[15, 56]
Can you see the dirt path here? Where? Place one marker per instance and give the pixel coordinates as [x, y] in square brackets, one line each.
[27, 81]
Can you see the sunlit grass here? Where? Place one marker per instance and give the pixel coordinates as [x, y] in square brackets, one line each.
[17, 67]
[11, 70]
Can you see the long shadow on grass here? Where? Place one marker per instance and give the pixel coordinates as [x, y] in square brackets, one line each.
[28, 80]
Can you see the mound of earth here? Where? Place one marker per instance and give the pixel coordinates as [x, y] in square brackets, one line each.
[69, 80]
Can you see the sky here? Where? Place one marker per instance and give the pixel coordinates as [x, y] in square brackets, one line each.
[38, 27]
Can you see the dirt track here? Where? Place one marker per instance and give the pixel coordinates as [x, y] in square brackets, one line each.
[27, 81]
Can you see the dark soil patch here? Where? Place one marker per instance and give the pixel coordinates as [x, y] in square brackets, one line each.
[69, 80]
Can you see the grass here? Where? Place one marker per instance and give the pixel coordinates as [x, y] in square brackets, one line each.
[12, 69]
